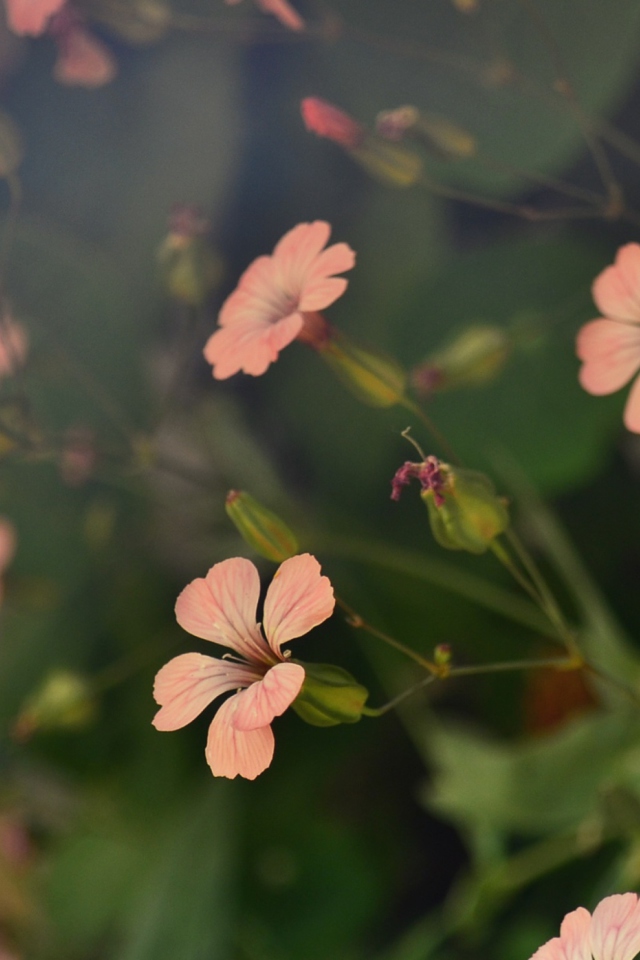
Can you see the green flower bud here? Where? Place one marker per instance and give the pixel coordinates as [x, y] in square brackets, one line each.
[375, 379]
[472, 359]
[392, 163]
[64, 701]
[329, 696]
[190, 265]
[465, 513]
[262, 529]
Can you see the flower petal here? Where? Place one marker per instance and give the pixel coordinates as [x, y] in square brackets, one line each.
[616, 290]
[83, 60]
[31, 16]
[269, 698]
[575, 934]
[611, 354]
[249, 347]
[297, 600]
[232, 753]
[190, 682]
[221, 607]
[615, 928]
[285, 13]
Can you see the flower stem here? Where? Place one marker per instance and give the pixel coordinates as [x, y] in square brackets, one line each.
[359, 623]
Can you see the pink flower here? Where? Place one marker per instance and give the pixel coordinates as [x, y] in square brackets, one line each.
[221, 607]
[83, 60]
[610, 346]
[14, 345]
[281, 9]
[612, 933]
[31, 16]
[8, 542]
[267, 309]
[326, 120]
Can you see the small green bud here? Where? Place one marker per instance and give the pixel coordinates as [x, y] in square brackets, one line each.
[466, 514]
[375, 379]
[329, 696]
[64, 701]
[262, 529]
[191, 267]
[391, 163]
[471, 359]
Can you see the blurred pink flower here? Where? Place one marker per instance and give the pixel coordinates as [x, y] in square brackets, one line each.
[83, 60]
[326, 120]
[8, 543]
[610, 345]
[281, 9]
[221, 607]
[267, 309]
[31, 16]
[14, 345]
[612, 933]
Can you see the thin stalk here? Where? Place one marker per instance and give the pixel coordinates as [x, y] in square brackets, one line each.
[359, 623]
[439, 437]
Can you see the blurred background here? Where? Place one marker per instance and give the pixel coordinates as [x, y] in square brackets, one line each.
[482, 811]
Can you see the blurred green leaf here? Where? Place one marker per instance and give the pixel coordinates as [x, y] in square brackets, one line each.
[535, 787]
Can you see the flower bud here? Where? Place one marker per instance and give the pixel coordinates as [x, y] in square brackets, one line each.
[471, 359]
[191, 267]
[375, 379]
[446, 138]
[262, 529]
[329, 696]
[63, 701]
[465, 513]
[392, 163]
[469, 514]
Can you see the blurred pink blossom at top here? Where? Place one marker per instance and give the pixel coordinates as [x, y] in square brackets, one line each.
[266, 310]
[612, 933]
[31, 16]
[326, 120]
[14, 345]
[221, 607]
[281, 9]
[83, 60]
[8, 543]
[609, 346]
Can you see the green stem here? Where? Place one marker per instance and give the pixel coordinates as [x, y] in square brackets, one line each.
[356, 621]
[440, 439]
[441, 574]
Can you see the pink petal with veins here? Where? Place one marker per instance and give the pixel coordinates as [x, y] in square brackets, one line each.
[231, 752]
[269, 698]
[611, 354]
[221, 607]
[297, 600]
[616, 290]
[190, 682]
[615, 928]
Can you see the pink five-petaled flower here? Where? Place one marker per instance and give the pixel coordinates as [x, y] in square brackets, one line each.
[267, 309]
[221, 607]
[282, 10]
[610, 346]
[612, 933]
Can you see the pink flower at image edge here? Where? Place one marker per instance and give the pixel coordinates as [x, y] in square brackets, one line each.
[221, 607]
[31, 16]
[282, 10]
[612, 933]
[266, 311]
[609, 346]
